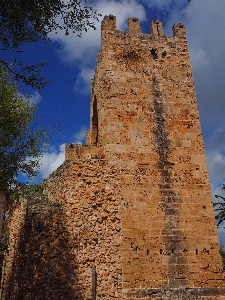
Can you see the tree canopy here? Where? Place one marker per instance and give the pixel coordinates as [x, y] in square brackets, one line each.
[21, 142]
[26, 21]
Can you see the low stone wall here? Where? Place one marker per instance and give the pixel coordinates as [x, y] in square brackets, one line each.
[53, 247]
[85, 223]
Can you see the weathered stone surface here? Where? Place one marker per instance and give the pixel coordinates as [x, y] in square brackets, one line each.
[136, 200]
[176, 293]
[57, 246]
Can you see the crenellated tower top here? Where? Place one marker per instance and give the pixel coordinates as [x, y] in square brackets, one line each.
[111, 36]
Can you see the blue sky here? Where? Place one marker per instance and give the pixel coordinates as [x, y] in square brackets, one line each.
[71, 62]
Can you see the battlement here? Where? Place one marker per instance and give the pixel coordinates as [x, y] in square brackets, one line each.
[112, 36]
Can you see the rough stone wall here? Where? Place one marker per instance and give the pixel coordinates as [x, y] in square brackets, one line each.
[58, 244]
[136, 200]
[11, 264]
[3, 227]
[147, 113]
[2, 211]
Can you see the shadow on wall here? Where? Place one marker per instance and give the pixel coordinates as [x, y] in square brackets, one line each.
[44, 265]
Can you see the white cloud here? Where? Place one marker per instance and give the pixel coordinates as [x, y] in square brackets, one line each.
[205, 23]
[80, 135]
[216, 166]
[84, 50]
[164, 4]
[198, 58]
[35, 98]
[122, 10]
[51, 160]
[82, 84]
[32, 99]
[215, 150]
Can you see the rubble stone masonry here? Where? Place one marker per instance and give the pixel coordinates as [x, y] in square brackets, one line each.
[135, 201]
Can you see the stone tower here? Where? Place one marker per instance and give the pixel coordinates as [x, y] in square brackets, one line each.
[144, 117]
[136, 198]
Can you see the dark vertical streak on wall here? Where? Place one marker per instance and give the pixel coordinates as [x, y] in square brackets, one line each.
[175, 244]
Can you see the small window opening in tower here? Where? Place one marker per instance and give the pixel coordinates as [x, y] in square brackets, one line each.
[134, 19]
[95, 121]
[157, 28]
[111, 17]
[154, 53]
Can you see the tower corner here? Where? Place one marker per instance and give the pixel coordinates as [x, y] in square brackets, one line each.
[108, 30]
[179, 31]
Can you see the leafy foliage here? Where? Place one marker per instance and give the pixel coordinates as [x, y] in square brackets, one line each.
[25, 21]
[21, 144]
[220, 208]
[32, 193]
[28, 74]
[35, 195]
